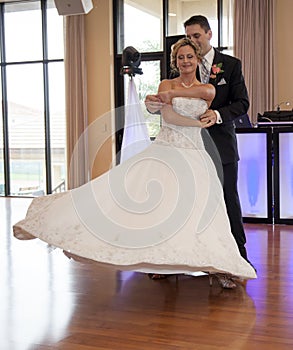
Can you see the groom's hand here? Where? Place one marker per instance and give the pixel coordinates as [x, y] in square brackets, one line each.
[209, 118]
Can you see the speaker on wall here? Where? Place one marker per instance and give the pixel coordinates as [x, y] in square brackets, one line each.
[73, 7]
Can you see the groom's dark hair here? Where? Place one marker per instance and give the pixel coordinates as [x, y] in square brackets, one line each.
[200, 20]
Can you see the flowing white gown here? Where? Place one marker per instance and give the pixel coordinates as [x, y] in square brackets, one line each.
[160, 211]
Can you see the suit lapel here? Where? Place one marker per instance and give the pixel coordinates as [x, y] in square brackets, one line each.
[217, 59]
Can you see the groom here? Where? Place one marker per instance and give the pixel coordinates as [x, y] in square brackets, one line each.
[230, 102]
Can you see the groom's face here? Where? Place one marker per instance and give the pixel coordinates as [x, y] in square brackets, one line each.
[198, 35]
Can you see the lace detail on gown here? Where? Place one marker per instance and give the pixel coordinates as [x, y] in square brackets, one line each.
[182, 136]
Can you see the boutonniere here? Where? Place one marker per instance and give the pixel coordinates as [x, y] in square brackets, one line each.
[216, 69]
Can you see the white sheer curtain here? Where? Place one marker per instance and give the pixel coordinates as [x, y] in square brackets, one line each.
[76, 101]
[254, 44]
[135, 135]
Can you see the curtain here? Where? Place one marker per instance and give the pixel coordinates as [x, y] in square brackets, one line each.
[254, 44]
[76, 101]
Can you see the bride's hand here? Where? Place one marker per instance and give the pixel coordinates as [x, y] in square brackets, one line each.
[167, 108]
[166, 96]
[203, 125]
[153, 103]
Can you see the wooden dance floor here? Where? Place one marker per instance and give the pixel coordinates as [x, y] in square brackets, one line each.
[50, 302]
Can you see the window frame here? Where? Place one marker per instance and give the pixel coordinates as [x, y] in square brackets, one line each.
[45, 61]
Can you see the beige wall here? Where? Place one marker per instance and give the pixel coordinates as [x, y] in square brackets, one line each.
[284, 33]
[100, 85]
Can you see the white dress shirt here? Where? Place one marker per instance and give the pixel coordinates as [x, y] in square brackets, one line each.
[209, 58]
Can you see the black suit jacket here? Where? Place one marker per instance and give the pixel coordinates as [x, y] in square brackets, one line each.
[231, 101]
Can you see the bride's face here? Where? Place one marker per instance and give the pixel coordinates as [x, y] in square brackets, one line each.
[186, 59]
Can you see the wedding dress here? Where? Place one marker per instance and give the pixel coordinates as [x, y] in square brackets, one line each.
[160, 211]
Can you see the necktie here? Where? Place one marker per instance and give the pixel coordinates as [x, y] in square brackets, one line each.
[205, 71]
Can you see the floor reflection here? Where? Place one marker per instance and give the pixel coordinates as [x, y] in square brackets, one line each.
[36, 301]
[203, 307]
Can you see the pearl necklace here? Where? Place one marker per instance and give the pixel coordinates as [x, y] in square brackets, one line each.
[187, 86]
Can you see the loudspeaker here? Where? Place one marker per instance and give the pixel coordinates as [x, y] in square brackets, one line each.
[73, 7]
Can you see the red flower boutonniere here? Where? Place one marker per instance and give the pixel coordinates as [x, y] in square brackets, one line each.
[216, 69]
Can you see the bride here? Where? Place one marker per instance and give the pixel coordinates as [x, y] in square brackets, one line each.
[161, 211]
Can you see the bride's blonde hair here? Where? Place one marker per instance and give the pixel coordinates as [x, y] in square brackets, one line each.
[174, 51]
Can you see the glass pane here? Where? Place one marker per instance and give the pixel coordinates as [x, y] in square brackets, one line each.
[286, 175]
[57, 125]
[180, 11]
[146, 84]
[55, 33]
[227, 31]
[2, 191]
[143, 25]
[23, 31]
[26, 129]
[252, 179]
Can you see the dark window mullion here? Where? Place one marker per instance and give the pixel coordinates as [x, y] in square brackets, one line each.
[46, 99]
[118, 11]
[165, 31]
[4, 105]
[221, 47]
[220, 27]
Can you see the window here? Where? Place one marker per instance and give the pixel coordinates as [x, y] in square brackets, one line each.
[143, 26]
[180, 11]
[140, 24]
[218, 12]
[32, 148]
